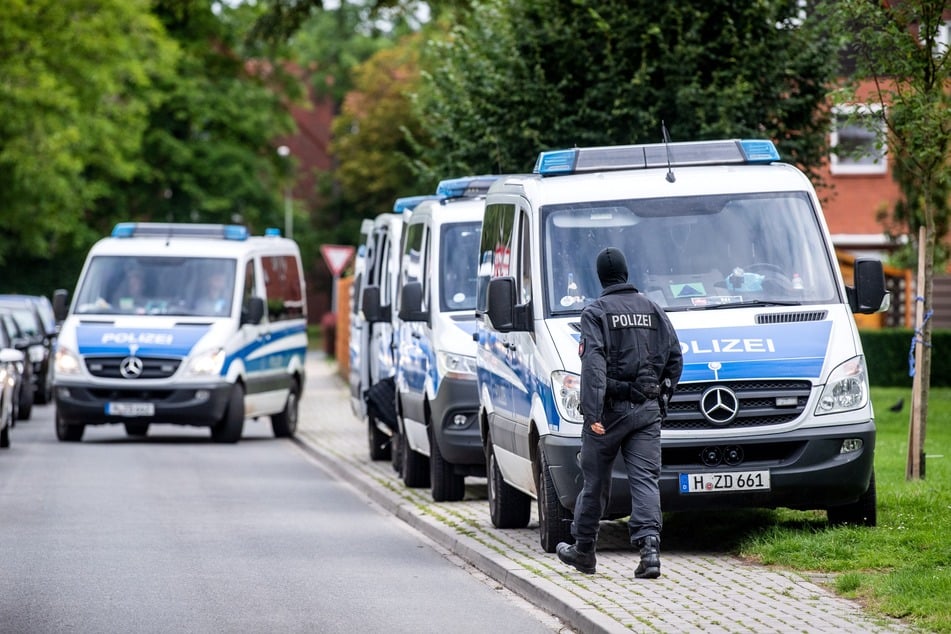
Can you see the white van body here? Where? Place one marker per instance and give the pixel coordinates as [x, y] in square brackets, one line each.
[176, 356]
[358, 330]
[437, 396]
[772, 408]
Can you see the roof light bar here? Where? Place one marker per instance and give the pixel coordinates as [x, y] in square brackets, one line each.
[179, 230]
[411, 202]
[623, 157]
[466, 186]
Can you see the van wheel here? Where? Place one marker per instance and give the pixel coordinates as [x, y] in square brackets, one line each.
[45, 394]
[415, 467]
[231, 425]
[396, 452]
[5, 436]
[377, 441]
[862, 512]
[137, 429]
[554, 520]
[447, 485]
[508, 507]
[284, 423]
[68, 432]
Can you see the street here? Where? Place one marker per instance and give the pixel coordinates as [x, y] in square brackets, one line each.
[175, 533]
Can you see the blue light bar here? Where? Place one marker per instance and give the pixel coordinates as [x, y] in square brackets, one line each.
[178, 230]
[466, 186]
[272, 231]
[624, 157]
[411, 202]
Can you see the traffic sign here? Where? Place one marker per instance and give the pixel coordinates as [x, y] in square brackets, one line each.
[336, 256]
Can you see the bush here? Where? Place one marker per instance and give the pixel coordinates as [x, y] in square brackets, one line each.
[886, 354]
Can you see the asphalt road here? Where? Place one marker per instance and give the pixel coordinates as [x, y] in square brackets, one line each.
[173, 533]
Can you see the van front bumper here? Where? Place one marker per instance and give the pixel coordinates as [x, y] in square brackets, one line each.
[459, 444]
[197, 405]
[806, 467]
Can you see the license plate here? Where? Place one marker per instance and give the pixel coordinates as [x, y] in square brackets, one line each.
[724, 481]
[130, 409]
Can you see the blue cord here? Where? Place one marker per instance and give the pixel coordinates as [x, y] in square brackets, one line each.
[916, 338]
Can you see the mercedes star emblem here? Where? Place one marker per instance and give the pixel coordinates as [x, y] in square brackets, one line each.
[131, 367]
[719, 405]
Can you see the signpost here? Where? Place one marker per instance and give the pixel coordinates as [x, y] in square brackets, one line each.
[337, 256]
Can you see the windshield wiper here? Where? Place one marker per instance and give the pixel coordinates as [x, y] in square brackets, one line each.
[751, 302]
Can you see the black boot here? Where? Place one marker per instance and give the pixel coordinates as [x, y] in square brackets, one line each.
[580, 555]
[649, 567]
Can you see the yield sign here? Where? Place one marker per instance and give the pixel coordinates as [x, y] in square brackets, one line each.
[336, 256]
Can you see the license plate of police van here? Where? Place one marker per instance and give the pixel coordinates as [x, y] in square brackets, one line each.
[130, 409]
[724, 481]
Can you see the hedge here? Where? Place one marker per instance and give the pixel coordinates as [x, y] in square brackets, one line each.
[886, 354]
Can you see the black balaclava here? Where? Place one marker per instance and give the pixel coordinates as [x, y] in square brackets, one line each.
[612, 267]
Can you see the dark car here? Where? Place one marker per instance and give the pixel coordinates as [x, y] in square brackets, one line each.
[33, 314]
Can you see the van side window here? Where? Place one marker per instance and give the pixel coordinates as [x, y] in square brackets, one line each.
[411, 269]
[249, 286]
[525, 261]
[282, 283]
[495, 247]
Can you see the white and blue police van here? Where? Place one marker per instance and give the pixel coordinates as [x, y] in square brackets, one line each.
[437, 398]
[373, 372]
[773, 406]
[189, 324]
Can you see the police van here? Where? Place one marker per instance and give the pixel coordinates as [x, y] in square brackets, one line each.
[191, 324]
[773, 405]
[436, 393]
[373, 372]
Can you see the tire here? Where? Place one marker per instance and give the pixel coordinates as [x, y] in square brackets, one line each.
[231, 426]
[68, 432]
[25, 410]
[284, 423]
[508, 507]
[862, 512]
[396, 453]
[377, 442]
[447, 486]
[45, 392]
[415, 467]
[554, 520]
[5, 435]
[137, 430]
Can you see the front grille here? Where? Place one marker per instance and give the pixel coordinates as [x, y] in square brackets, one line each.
[757, 404]
[787, 318]
[152, 367]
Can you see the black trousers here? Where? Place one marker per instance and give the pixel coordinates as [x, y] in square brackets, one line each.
[634, 431]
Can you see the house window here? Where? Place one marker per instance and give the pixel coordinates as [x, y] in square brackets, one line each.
[856, 131]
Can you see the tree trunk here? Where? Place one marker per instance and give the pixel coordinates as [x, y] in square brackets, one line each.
[915, 469]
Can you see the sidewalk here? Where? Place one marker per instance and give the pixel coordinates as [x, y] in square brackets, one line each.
[696, 592]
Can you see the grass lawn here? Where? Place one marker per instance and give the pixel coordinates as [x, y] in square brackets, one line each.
[901, 568]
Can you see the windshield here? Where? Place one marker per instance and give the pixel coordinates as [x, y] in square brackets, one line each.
[457, 284]
[157, 286]
[691, 253]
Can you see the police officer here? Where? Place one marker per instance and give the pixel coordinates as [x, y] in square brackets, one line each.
[629, 350]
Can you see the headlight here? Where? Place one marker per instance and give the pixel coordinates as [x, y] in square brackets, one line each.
[566, 387]
[208, 363]
[66, 361]
[456, 366]
[846, 389]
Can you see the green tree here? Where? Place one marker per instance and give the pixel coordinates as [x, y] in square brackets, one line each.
[896, 49]
[517, 77]
[79, 82]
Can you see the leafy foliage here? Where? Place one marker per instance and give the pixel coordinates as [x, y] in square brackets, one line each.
[519, 77]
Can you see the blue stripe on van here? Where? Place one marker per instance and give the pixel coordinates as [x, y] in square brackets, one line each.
[104, 339]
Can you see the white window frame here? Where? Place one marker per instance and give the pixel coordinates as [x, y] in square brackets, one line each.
[848, 165]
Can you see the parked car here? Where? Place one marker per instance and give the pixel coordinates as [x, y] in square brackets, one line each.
[11, 384]
[34, 314]
[24, 392]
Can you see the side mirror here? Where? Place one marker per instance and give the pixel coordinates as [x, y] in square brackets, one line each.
[373, 311]
[500, 305]
[60, 303]
[254, 312]
[869, 294]
[411, 303]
